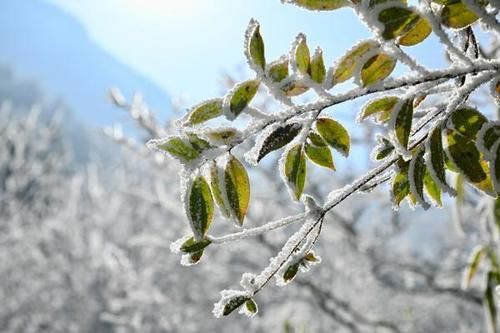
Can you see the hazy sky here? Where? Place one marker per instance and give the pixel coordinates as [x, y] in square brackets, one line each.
[186, 45]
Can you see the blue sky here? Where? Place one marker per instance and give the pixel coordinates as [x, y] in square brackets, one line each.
[185, 46]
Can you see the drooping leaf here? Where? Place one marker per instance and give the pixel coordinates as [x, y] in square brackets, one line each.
[495, 167]
[318, 70]
[241, 95]
[455, 14]
[311, 257]
[465, 156]
[278, 70]
[295, 170]
[400, 186]
[301, 55]
[195, 257]
[201, 207]
[320, 4]
[215, 186]
[334, 134]
[404, 23]
[467, 121]
[192, 245]
[280, 137]
[205, 111]
[237, 187]
[401, 125]
[255, 45]
[234, 304]
[350, 61]
[178, 148]
[377, 68]
[474, 261]
[383, 107]
[416, 173]
[432, 189]
[493, 280]
[436, 159]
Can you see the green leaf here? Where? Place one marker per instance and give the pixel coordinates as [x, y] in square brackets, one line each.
[467, 121]
[178, 148]
[496, 212]
[291, 272]
[302, 56]
[280, 137]
[432, 189]
[318, 70]
[197, 143]
[486, 138]
[233, 304]
[334, 134]
[205, 111]
[278, 70]
[404, 23]
[201, 207]
[321, 155]
[349, 62]
[255, 45]
[436, 159]
[192, 245]
[489, 301]
[463, 153]
[383, 107]
[474, 260]
[383, 149]
[241, 96]
[377, 68]
[251, 306]
[215, 186]
[295, 170]
[311, 257]
[403, 118]
[222, 136]
[320, 4]
[416, 173]
[400, 186]
[456, 15]
[495, 167]
[237, 187]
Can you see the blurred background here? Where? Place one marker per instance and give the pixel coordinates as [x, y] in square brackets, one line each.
[87, 214]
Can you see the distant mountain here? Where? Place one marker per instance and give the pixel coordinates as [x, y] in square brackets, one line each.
[41, 42]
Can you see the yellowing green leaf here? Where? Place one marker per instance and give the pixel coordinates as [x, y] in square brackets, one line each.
[320, 4]
[404, 23]
[432, 189]
[295, 170]
[204, 111]
[416, 173]
[201, 207]
[436, 159]
[456, 15]
[377, 68]
[278, 70]
[302, 56]
[467, 121]
[400, 186]
[318, 70]
[192, 245]
[241, 95]
[383, 149]
[486, 138]
[237, 187]
[349, 62]
[474, 261]
[178, 148]
[294, 88]
[279, 138]
[319, 154]
[251, 306]
[255, 45]
[382, 107]
[215, 186]
[334, 134]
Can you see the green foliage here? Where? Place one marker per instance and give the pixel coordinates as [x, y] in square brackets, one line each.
[237, 186]
[201, 206]
[295, 170]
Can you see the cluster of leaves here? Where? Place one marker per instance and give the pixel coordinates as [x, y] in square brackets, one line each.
[459, 140]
